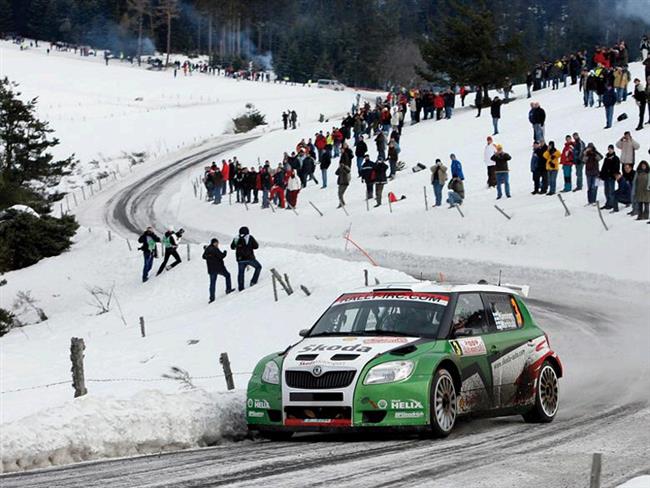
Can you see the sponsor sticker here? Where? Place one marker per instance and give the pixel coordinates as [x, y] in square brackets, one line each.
[405, 405]
[386, 340]
[253, 413]
[382, 404]
[409, 415]
[254, 403]
[468, 346]
[395, 295]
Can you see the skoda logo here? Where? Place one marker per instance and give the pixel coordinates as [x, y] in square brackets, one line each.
[317, 371]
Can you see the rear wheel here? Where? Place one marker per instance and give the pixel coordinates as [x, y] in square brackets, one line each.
[443, 404]
[546, 396]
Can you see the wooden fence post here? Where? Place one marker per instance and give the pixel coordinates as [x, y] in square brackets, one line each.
[502, 212]
[109, 236]
[286, 280]
[426, 201]
[225, 363]
[367, 205]
[67, 202]
[62, 214]
[390, 205]
[600, 214]
[74, 197]
[275, 287]
[128, 244]
[83, 193]
[142, 331]
[99, 181]
[365, 276]
[280, 280]
[316, 208]
[77, 348]
[188, 251]
[305, 289]
[566, 209]
[596, 465]
[459, 210]
[345, 210]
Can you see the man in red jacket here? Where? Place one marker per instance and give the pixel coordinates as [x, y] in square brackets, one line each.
[225, 173]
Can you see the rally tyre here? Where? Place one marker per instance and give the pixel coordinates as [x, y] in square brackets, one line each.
[443, 405]
[276, 436]
[546, 396]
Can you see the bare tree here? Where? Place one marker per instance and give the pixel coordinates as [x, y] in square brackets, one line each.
[168, 10]
[139, 9]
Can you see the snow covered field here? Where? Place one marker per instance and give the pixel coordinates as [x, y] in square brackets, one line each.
[94, 111]
[103, 112]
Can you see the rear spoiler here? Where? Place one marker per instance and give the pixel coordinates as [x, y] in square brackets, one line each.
[522, 290]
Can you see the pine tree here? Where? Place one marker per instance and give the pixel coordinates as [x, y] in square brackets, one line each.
[471, 49]
[26, 166]
[6, 17]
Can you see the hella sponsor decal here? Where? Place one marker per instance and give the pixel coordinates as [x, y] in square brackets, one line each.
[399, 404]
[335, 347]
[468, 346]
[386, 340]
[256, 414]
[394, 295]
[254, 403]
[409, 415]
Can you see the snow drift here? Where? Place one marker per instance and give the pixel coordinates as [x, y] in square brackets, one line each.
[92, 427]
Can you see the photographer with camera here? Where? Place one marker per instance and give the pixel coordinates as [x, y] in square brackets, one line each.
[244, 246]
[214, 259]
[170, 243]
[148, 240]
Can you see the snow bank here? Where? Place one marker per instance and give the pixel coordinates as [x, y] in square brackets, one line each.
[639, 482]
[91, 427]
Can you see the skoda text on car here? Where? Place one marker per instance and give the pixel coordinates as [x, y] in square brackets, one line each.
[411, 356]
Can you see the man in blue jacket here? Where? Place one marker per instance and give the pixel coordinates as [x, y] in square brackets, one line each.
[456, 168]
[623, 193]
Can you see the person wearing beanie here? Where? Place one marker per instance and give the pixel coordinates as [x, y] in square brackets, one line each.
[214, 260]
[244, 246]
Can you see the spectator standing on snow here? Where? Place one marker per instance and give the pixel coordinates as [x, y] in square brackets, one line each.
[552, 160]
[609, 100]
[488, 152]
[325, 162]
[578, 161]
[537, 117]
[641, 99]
[381, 168]
[611, 166]
[478, 101]
[456, 167]
[380, 141]
[628, 146]
[343, 173]
[368, 176]
[642, 190]
[170, 244]
[360, 150]
[285, 120]
[393, 156]
[438, 179]
[495, 111]
[294, 185]
[540, 177]
[566, 159]
[535, 163]
[456, 193]
[148, 242]
[501, 159]
[592, 159]
[214, 260]
[294, 119]
[644, 47]
[244, 246]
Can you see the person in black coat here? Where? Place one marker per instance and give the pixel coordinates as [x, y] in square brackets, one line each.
[495, 111]
[478, 100]
[244, 246]
[148, 240]
[214, 259]
[170, 244]
[381, 178]
[325, 162]
[611, 166]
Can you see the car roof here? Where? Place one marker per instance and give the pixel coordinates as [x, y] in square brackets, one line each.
[436, 287]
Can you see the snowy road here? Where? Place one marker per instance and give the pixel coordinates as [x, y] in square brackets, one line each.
[602, 340]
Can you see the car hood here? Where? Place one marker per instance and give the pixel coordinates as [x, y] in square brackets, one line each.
[341, 352]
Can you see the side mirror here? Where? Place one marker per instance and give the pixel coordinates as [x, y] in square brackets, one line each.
[303, 333]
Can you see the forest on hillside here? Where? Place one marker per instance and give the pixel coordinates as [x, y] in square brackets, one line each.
[360, 42]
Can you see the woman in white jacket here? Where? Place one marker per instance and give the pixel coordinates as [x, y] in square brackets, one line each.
[488, 152]
[294, 186]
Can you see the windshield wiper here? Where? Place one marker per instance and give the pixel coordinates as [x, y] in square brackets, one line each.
[326, 333]
[386, 333]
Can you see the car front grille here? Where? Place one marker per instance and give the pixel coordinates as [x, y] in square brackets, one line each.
[330, 379]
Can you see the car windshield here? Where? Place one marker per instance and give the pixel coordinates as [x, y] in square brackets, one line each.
[402, 314]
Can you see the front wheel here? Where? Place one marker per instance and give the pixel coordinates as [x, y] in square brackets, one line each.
[546, 396]
[443, 404]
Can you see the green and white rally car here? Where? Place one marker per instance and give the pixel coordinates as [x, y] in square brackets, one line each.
[410, 356]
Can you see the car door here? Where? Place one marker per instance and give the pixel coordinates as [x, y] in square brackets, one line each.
[469, 324]
[509, 346]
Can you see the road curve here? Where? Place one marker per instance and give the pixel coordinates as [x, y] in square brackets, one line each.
[600, 412]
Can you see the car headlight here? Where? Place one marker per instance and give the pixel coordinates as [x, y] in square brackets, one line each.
[389, 372]
[271, 373]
